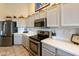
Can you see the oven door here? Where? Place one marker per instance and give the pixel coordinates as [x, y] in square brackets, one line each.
[35, 48]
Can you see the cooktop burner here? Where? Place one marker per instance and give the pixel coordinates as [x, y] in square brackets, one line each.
[40, 36]
[36, 37]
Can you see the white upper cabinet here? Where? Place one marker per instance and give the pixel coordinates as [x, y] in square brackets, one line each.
[37, 15]
[2, 19]
[58, 15]
[32, 18]
[27, 22]
[42, 14]
[53, 16]
[14, 19]
[30, 21]
[70, 14]
[21, 22]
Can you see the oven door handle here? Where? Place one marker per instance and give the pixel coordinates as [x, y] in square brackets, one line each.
[34, 41]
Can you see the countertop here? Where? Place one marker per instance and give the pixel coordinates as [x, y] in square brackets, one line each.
[27, 34]
[65, 46]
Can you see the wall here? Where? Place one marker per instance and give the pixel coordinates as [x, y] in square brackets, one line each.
[13, 9]
[16, 9]
[21, 30]
[31, 8]
[61, 33]
[66, 33]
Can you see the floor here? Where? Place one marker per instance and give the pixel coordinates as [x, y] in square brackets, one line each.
[16, 50]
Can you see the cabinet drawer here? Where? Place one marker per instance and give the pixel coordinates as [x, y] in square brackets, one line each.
[63, 53]
[45, 52]
[50, 48]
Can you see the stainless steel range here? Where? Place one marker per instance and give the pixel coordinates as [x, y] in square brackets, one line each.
[35, 44]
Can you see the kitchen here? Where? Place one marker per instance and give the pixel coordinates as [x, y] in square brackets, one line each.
[47, 29]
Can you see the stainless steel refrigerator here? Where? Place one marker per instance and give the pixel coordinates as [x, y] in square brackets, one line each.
[7, 28]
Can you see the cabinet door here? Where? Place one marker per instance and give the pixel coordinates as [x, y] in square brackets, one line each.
[27, 22]
[14, 19]
[2, 19]
[21, 22]
[53, 16]
[17, 39]
[43, 14]
[23, 40]
[62, 53]
[46, 52]
[70, 14]
[27, 42]
[31, 20]
[37, 15]
[48, 47]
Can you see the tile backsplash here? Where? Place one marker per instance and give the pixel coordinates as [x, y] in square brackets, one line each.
[65, 33]
[20, 30]
[61, 33]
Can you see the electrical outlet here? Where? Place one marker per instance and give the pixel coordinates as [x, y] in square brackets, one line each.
[53, 34]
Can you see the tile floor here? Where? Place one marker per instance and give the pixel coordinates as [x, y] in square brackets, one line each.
[16, 50]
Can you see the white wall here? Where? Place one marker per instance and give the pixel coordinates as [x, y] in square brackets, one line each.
[13, 9]
[31, 8]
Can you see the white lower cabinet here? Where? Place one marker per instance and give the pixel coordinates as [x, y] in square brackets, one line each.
[21, 39]
[17, 39]
[48, 50]
[62, 53]
[25, 41]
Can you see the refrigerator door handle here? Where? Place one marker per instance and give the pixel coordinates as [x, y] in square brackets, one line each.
[4, 28]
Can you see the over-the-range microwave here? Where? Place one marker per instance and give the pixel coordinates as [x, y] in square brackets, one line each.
[42, 22]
